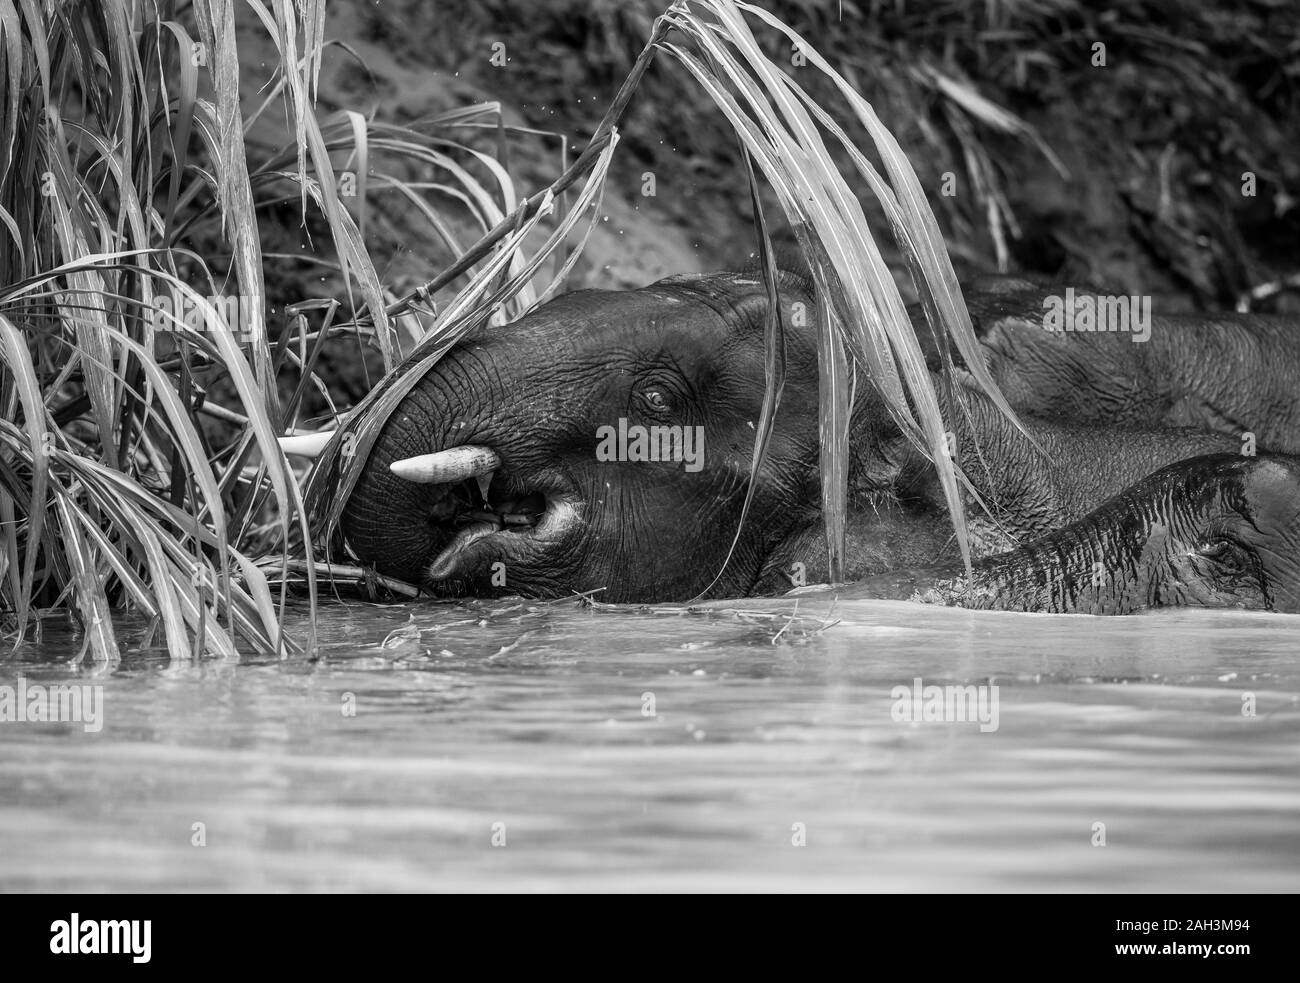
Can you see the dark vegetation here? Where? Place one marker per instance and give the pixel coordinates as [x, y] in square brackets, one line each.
[1128, 174]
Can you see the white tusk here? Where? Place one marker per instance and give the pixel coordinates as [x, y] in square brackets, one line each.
[306, 444]
[447, 466]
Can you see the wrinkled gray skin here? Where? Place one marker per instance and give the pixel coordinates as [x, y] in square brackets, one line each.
[689, 351]
[1228, 373]
[1217, 531]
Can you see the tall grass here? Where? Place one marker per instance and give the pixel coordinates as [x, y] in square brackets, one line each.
[133, 290]
[863, 313]
[132, 205]
[111, 494]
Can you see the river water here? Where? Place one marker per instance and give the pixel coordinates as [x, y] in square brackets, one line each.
[522, 746]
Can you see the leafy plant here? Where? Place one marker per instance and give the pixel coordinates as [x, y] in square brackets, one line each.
[141, 367]
[780, 128]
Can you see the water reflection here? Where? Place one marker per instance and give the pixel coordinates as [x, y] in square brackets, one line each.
[624, 749]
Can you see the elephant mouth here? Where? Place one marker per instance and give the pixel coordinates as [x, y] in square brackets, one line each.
[482, 514]
[492, 527]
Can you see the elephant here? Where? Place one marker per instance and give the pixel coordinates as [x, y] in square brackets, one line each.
[1218, 531]
[1229, 373]
[603, 442]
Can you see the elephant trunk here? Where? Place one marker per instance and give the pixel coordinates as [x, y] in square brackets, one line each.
[467, 457]
[1105, 563]
[1074, 570]
[1161, 543]
[401, 548]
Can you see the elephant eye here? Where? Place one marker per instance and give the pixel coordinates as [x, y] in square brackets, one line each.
[655, 400]
[1223, 552]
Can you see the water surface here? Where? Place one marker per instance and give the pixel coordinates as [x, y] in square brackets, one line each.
[529, 725]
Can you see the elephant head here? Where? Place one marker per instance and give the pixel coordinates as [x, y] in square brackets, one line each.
[602, 441]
